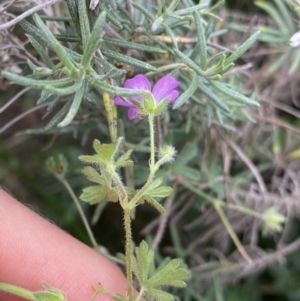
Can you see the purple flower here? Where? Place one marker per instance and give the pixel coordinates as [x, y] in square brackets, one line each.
[164, 88]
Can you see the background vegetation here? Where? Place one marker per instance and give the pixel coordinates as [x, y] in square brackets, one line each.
[249, 157]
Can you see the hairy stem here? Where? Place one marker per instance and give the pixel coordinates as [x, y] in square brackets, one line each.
[127, 224]
[17, 291]
[152, 142]
[152, 165]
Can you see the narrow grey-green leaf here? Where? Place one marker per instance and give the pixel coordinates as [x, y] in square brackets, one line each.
[201, 40]
[45, 96]
[144, 11]
[112, 90]
[74, 108]
[54, 102]
[110, 16]
[243, 48]
[189, 62]
[187, 93]
[220, 103]
[36, 33]
[155, 25]
[44, 29]
[73, 10]
[234, 94]
[136, 46]
[37, 84]
[59, 116]
[189, 10]
[37, 46]
[62, 54]
[92, 43]
[66, 90]
[127, 60]
[84, 22]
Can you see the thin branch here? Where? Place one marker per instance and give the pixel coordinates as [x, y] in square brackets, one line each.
[19, 117]
[11, 101]
[249, 163]
[163, 222]
[27, 13]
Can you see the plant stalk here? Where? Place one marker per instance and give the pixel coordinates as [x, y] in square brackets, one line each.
[81, 213]
[17, 291]
[128, 235]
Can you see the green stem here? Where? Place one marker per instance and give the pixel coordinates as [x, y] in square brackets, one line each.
[231, 232]
[127, 223]
[218, 204]
[122, 192]
[140, 295]
[152, 142]
[81, 213]
[17, 291]
[212, 200]
[153, 167]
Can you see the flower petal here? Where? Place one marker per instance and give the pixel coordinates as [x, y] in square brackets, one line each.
[133, 113]
[173, 96]
[120, 102]
[164, 87]
[140, 81]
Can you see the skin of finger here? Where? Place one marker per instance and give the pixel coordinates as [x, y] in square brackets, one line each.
[33, 250]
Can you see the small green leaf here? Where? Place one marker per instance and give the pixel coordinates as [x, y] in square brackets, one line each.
[106, 151]
[95, 159]
[160, 295]
[154, 203]
[93, 194]
[93, 175]
[50, 294]
[155, 183]
[144, 257]
[171, 275]
[123, 160]
[160, 192]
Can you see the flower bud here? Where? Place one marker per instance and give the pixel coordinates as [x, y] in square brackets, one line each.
[272, 220]
[167, 153]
